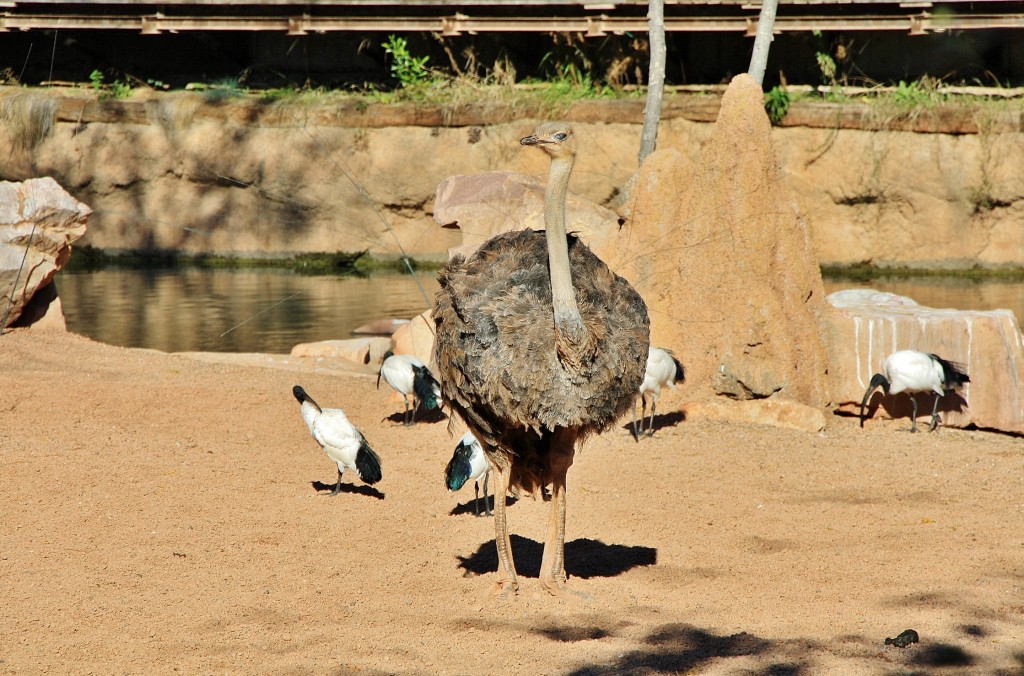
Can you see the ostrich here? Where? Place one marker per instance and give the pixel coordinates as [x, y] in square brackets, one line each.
[538, 345]
[911, 371]
[662, 369]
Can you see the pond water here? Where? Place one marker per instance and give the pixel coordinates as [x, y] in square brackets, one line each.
[272, 310]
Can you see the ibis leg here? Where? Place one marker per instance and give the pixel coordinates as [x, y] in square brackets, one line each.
[935, 415]
[487, 505]
[337, 486]
[650, 427]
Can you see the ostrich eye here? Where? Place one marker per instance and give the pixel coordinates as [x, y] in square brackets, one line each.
[560, 136]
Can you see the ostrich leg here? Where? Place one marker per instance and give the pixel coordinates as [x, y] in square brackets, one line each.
[507, 579]
[552, 565]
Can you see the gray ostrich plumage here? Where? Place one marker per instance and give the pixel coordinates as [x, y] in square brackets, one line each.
[538, 345]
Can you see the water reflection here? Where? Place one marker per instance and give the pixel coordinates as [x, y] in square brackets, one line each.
[273, 310]
[231, 310]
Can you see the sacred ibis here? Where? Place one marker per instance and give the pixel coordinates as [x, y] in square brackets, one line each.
[339, 438]
[410, 376]
[912, 372]
[469, 462]
[662, 369]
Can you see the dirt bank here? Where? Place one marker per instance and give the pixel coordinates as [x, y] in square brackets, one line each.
[935, 187]
[162, 515]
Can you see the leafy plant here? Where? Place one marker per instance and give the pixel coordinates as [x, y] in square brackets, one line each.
[912, 94]
[827, 66]
[118, 89]
[121, 90]
[96, 80]
[406, 68]
[776, 104]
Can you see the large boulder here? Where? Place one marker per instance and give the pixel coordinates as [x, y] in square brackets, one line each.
[39, 221]
[359, 350]
[416, 338]
[725, 262]
[870, 325]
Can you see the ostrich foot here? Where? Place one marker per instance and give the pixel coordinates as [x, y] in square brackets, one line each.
[502, 590]
[559, 589]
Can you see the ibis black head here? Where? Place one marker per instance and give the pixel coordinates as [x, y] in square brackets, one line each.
[300, 393]
[383, 359]
[877, 380]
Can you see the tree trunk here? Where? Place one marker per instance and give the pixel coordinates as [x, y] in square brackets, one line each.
[763, 39]
[655, 78]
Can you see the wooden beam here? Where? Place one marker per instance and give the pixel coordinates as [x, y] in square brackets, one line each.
[592, 26]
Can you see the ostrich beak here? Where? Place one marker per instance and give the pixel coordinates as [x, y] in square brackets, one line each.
[530, 141]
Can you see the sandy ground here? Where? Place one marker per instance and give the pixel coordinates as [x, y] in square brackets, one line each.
[161, 513]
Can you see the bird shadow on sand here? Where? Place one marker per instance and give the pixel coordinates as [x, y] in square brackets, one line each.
[468, 508]
[899, 407]
[584, 558]
[358, 489]
[398, 417]
[662, 420]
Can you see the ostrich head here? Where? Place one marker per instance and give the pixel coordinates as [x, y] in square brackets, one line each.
[554, 138]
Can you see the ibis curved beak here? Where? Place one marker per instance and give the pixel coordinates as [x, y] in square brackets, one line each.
[877, 380]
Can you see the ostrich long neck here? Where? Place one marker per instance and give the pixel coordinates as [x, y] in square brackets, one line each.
[563, 298]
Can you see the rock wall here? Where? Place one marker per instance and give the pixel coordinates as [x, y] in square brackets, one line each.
[175, 171]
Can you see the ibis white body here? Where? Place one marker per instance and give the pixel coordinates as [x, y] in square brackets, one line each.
[401, 372]
[341, 441]
[663, 369]
[914, 372]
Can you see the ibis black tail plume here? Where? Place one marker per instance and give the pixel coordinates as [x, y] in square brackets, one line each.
[426, 387]
[680, 374]
[953, 374]
[877, 380]
[367, 463]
